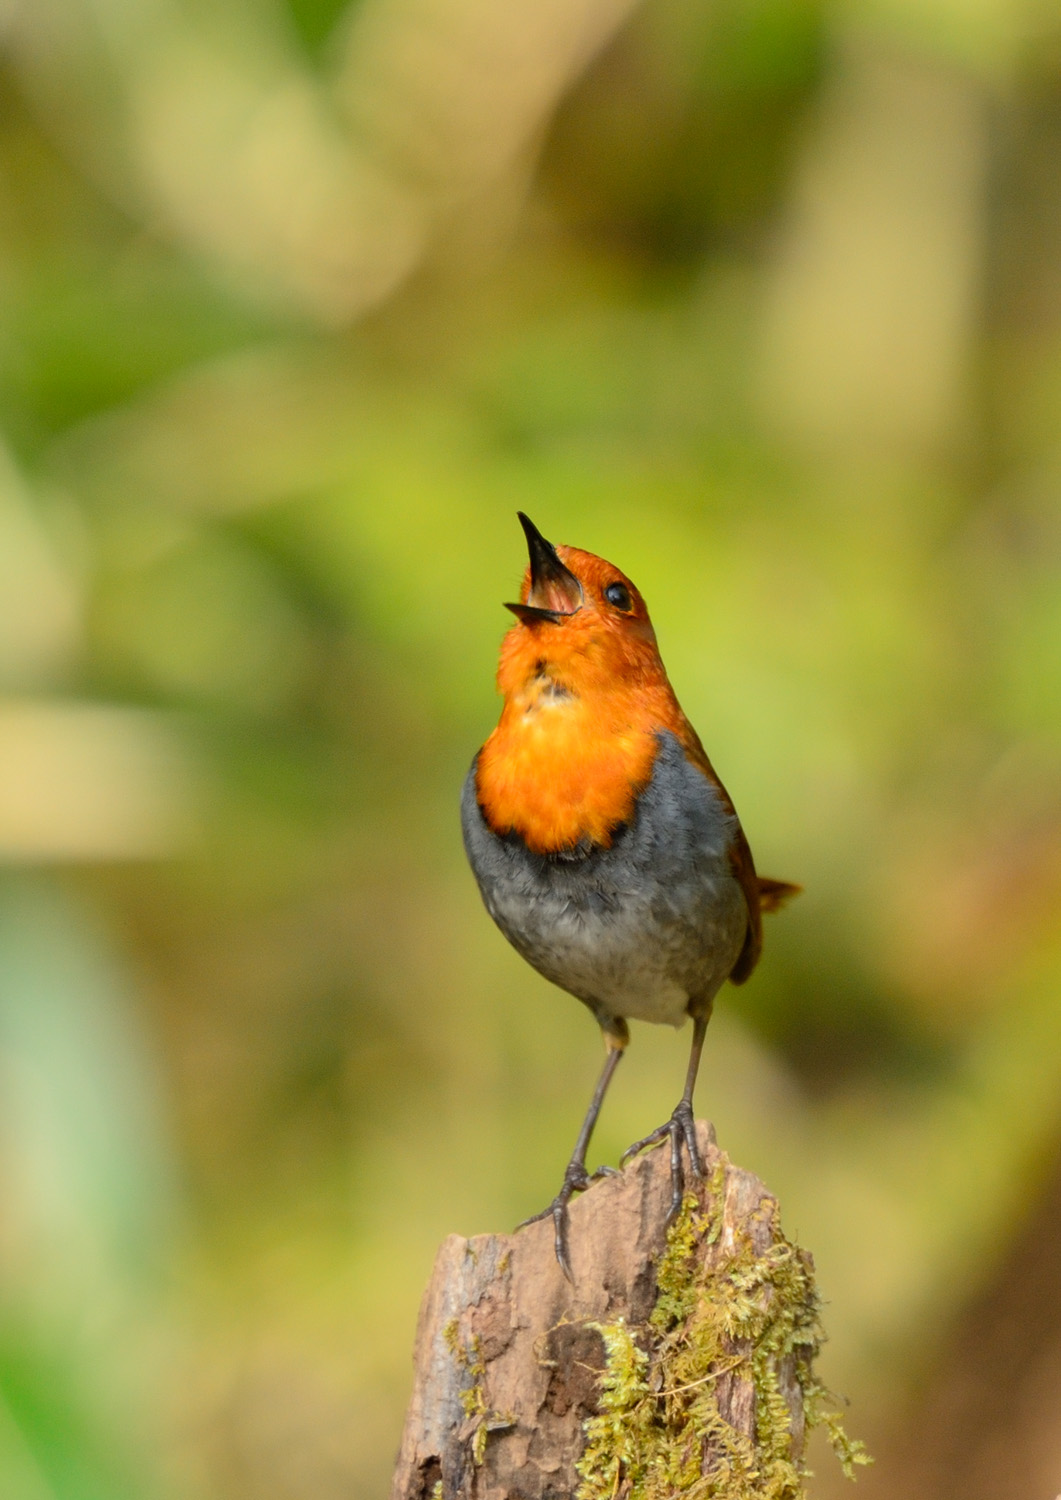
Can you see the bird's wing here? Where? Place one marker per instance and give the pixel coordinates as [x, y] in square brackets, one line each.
[760, 892]
[743, 866]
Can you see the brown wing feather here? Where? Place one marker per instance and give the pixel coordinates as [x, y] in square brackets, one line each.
[760, 892]
[740, 858]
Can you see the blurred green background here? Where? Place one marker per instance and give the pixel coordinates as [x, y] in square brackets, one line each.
[299, 301]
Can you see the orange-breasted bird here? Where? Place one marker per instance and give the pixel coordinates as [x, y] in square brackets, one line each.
[605, 847]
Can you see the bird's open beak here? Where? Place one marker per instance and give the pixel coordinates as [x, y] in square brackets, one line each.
[554, 590]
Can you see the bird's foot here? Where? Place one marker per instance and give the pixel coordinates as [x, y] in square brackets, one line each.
[576, 1180]
[680, 1127]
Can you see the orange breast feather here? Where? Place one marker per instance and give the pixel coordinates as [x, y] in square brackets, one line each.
[562, 767]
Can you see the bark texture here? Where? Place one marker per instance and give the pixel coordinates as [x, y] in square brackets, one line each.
[663, 1367]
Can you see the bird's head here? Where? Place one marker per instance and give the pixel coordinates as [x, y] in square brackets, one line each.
[581, 623]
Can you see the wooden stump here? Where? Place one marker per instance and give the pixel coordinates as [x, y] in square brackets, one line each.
[675, 1363]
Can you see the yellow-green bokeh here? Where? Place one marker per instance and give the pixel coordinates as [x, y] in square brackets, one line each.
[299, 304]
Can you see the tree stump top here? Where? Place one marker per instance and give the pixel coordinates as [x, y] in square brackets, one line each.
[675, 1364]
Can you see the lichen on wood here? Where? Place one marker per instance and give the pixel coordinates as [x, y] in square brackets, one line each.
[661, 1430]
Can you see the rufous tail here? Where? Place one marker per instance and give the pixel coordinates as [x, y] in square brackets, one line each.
[774, 893]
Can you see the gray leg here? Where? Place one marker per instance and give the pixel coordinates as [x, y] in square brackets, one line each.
[681, 1126]
[576, 1178]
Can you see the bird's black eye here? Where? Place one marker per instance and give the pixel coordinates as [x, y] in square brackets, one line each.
[619, 595]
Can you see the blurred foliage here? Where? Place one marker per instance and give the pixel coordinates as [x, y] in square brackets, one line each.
[760, 299]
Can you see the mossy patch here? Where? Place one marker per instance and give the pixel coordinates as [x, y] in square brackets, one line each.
[727, 1334]
[480, 1421]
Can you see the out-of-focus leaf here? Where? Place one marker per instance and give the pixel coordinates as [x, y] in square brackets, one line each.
[89, 1202]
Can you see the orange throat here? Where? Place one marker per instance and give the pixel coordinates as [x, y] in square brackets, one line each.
[561, 768]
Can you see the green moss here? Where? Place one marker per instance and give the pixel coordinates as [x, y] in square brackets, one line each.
[753, 1316]
[473, 1395]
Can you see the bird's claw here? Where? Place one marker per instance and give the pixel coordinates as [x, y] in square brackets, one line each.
[576, 1180]
[680, 1127]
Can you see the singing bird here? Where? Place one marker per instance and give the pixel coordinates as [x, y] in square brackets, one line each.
[605, 847]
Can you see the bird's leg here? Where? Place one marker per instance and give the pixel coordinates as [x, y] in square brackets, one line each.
[681, 1126]
[576, 1178]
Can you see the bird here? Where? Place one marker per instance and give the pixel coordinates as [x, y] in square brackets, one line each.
[604, 845]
